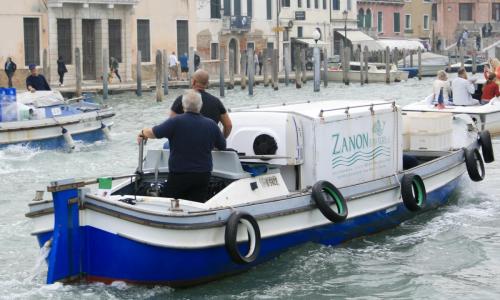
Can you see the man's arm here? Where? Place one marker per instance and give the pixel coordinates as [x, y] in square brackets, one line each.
[176, 108]
[220, 141]
[226, 124]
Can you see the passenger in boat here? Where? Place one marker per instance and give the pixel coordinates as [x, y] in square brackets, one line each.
[463, 89]
[36, 82]
[490, 89]
[441, 82]
[192, 138]
[212, 106]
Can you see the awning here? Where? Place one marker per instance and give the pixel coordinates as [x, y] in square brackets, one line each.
[311, 42]
[359, 38]
[400, 44]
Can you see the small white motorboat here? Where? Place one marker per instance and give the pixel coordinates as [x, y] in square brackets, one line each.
[376, 73]
[323, 172]
[45, 120]
[431, 63]
[486, 117]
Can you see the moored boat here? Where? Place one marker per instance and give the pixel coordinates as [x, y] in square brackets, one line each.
[324, 172]
[45, 120]
[376, 73]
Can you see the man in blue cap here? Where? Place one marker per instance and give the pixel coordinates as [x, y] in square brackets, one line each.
[36, 82]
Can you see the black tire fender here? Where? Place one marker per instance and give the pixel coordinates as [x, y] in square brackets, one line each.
[474, 163]
[231, 233]
[322, 193]
[413, 192]
[486, 146]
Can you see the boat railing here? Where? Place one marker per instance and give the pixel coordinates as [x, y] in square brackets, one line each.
[347, 108]
[63, 185]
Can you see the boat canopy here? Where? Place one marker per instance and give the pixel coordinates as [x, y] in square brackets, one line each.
[312, 42]
[359, 38]
[41, 98]
[400, 44]
[428, 59]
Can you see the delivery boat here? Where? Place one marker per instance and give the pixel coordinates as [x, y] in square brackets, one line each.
[486, 117]
[45, 120]
[323, 172]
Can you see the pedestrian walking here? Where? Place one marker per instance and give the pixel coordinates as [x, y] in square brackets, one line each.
[490, 28]
[483, 30]
[183, 60]
[478, 42]
[465, 36]
[196, 61]
[10, 68]
[256, 62]
[114, 67]
[172, 66]
[261, 62]
[61, 70]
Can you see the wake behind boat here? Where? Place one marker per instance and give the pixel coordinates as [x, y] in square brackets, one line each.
[325, 172]
[45, 120]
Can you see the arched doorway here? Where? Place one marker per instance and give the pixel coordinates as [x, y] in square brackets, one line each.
[233, 46]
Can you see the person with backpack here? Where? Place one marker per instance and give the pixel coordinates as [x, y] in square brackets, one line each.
[10, 68]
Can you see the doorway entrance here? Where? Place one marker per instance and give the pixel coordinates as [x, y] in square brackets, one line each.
[89, 49]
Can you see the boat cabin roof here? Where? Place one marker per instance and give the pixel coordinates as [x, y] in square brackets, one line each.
[317, 109]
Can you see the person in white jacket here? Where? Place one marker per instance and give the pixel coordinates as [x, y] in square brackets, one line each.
[463, 89]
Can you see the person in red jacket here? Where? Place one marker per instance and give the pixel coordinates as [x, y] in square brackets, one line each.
[490, 89]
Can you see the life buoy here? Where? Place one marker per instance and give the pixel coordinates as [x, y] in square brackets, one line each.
[474, 164]
[323, 193]
[231, 234]
[486, 146]
[413, 192]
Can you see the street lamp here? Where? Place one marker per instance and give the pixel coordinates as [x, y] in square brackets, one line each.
[345, 14]
[316, 35]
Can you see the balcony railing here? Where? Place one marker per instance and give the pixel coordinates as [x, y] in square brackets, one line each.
[237, 23]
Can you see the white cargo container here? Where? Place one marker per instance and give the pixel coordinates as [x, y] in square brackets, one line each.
[347, 145]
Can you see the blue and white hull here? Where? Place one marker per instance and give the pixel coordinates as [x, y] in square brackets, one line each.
[58, 131]
[119, 241]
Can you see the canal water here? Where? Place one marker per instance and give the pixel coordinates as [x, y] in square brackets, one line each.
[453, 251]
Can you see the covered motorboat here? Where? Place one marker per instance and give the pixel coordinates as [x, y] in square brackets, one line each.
[431, 63]
[486, 117]
[376, 73]
[323, 172]
[45, 120]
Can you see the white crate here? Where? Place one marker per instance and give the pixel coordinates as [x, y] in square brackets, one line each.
[428, 122]
[440, 141]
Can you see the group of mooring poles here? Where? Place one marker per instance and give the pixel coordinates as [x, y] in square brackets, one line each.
[249, 68]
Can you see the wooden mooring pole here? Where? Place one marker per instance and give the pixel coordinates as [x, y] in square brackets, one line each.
[105, 73]
[138, 91]
[78, 71]
[158, 71]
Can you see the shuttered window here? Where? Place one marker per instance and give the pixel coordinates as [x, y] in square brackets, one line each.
[269, 9]
[397, 22]
[115, 39]
[143, 41]
[336, 4]
[237, 7]
[249, 8]
[227, 7]
[214, 51]
[31, 41]
[64, 47]
[215, 9]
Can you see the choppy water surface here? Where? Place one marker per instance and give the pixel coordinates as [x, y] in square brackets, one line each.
[452, 251]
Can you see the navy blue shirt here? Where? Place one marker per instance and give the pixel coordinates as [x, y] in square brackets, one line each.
[192, 138]
[38, 83]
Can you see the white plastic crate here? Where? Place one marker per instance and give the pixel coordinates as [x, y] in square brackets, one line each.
[440, 141]
[428, 122]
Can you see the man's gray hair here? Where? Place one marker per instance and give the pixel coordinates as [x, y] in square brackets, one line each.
[191, 101]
